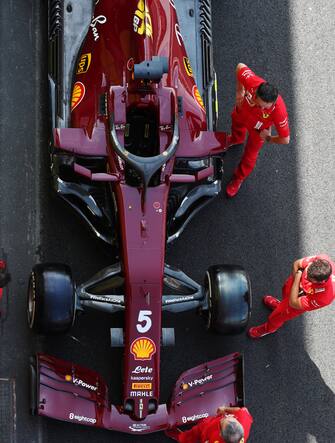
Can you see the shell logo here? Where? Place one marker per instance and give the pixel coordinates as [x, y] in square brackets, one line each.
[143, 348]
[266, 115]
[78, 94]
[197, 96]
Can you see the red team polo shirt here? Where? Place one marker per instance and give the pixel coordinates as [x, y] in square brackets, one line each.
[317, 295]
[208, 430]
[252, 116]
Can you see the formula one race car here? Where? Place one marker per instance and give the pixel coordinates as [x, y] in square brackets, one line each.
[134, 152]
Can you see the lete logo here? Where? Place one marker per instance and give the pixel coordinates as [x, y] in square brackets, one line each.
[100, 19]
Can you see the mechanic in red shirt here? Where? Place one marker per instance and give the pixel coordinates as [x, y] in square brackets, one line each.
[310, 287]
[258, 107]
[231, 425]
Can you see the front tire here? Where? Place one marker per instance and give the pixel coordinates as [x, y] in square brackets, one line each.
[51, 302]
[229, 299]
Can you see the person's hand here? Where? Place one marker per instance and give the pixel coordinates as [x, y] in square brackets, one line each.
[265, 133]
[221, 410]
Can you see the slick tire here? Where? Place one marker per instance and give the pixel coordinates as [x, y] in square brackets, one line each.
[229, 299]
[51, 300]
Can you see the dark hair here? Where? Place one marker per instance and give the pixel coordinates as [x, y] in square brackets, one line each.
[267, 92]
[319, 270]
[232, 432]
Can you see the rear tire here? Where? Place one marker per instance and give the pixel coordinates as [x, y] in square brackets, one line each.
[51, 301]
[229, 299]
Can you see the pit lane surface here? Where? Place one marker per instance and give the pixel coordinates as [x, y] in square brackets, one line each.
[284, 211]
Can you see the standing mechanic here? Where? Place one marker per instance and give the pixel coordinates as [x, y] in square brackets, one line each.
[230, 425]
[311, 286]
[258, 107]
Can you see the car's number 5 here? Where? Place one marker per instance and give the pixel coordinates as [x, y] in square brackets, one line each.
[144, 317]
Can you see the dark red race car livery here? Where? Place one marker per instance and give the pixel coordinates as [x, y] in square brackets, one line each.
[134, 153]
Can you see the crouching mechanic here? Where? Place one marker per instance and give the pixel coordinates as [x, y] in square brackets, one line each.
[311, 286]
[258, 107]
[4, 276]
[230, 425]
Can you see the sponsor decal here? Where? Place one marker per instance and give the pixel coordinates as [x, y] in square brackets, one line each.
[178, 34]
[156, 205]
[179, 299]
[105, 298]
[265, 115]
[80, 418]
[100, 19]
[197, 382]
[197, 96]
[78, 382]
[188, 67]
[130, 64]
[143, 348]
[247, 73]
[194, 417]
[138, 386]
[84, 63]
[141, 394]
[258, 125]
[139, 427]
[143, 378]
[142, 370]
[142, 22]
[165, 128]
[248, 97]
[78, 94]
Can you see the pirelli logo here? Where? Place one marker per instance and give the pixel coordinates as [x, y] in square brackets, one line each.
[188, 67]
[142, 386]
[84, 63]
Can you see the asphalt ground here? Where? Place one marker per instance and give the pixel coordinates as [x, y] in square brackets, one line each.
[285, 210]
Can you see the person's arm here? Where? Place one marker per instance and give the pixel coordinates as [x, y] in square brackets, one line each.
[240, 90]
[191, 436]
[294, 301]
[266, 136]
[297, 264]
